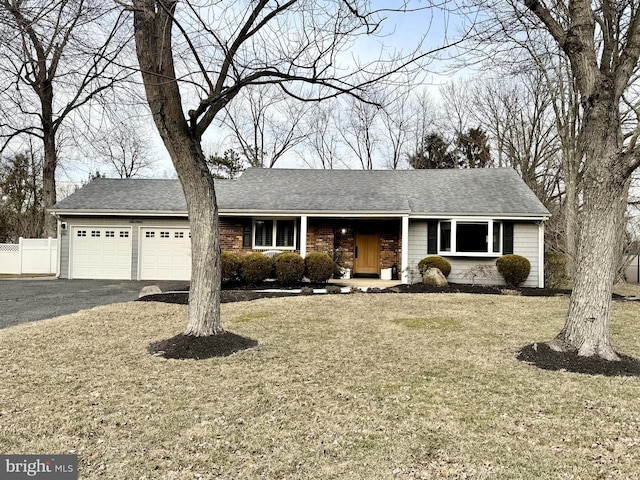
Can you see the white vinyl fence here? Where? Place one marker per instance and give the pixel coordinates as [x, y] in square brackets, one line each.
[29, 256]
[632, 272]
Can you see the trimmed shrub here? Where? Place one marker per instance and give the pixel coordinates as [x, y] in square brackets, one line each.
[318, 267]
[230, 265]
[434, 261]
[289, 267]
[514, 269]
[255, 268]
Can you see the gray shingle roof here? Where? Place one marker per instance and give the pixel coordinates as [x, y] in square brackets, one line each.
[492, 191]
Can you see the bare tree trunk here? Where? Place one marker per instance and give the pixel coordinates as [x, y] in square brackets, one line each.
[571, 221]
[204, 293]
[50, 158]
[184, 147]
[198, 186]
[587, 326]
[49, 184]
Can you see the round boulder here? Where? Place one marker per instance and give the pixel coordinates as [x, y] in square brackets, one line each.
[433, 276]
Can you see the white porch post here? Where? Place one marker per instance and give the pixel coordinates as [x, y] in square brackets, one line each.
[404, 264]
[303, 236]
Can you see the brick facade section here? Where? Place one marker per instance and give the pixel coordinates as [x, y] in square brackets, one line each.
[390, 248]
[231, 231]
[321, 236]
[326, 235]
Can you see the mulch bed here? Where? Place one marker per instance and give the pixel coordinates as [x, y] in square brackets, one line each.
[239, 293]
[183, 347]
[542, 356]
[536, 354]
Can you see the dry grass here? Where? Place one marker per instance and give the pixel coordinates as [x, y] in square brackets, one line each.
[627, 289]
[355, 387]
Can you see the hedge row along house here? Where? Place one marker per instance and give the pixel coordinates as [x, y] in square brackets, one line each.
[378, 220]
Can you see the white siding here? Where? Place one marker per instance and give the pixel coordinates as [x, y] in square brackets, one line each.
[525, 243]
[418, 230]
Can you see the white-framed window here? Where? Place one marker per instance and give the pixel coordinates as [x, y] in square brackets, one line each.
[178, 235]
[164, 235]
[110, 234]
[470, 237]
[149, 234]
[95, 233]
[81, 233]
[124, 234]
[274, 233]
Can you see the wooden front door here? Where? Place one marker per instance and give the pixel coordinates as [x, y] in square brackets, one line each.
[367, 254]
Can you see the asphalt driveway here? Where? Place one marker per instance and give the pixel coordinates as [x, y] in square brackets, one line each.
[27, 300]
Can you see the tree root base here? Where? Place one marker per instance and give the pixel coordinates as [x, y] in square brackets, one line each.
[548, 356]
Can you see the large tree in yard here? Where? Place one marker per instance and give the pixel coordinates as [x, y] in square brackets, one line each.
[602, 42]
[56, 59]
[195, 57]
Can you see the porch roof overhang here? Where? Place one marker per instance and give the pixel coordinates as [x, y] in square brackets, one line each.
[314, 213]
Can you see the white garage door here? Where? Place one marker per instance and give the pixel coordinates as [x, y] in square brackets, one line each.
[101, 252]
[165, 253]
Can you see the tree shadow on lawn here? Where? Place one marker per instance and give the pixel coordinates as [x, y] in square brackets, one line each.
[542, 356]
[188, 347]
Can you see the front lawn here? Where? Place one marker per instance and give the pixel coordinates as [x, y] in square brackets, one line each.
[361, 386]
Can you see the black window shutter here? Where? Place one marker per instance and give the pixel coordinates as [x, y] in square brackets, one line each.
[246, 235]
[432, 237]
[507, 239]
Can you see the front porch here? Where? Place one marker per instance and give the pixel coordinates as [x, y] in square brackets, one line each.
[365, 246]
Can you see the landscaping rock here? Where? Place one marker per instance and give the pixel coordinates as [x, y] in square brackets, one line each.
[306, 291]
[334, 289]
[434, 277]
[149, 290]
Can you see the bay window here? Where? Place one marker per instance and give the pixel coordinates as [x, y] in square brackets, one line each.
[272, 233]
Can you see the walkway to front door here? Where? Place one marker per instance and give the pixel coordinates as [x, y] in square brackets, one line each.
[364, 283]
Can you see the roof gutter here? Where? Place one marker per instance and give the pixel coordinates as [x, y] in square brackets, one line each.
[290, 213]
[118, 213]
